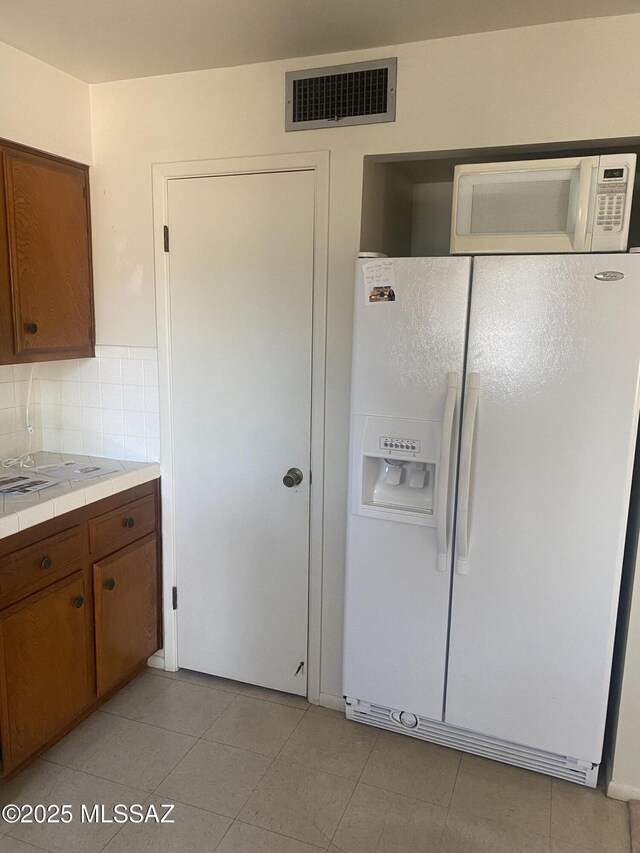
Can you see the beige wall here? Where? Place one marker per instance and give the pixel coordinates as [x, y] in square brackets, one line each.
[531, 85]
[43, 107]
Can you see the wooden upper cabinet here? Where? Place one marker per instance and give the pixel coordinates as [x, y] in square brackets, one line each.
[46, 287]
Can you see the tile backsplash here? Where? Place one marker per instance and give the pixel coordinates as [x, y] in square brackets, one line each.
[103, 406]
[14, 386]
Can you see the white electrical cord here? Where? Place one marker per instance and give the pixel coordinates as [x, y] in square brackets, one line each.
[26, 460]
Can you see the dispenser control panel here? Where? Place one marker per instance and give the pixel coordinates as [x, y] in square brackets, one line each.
[406, 444]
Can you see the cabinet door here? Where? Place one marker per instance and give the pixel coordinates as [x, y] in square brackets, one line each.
[49, 256]
[126, 605]
[46, 673]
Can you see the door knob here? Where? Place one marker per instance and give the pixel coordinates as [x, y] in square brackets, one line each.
[32, 328]
[110, 584]
[292, 478]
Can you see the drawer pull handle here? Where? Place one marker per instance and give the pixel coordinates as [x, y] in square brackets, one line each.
[128, 522]
[78, 602]
[46, 562]
[110, 584]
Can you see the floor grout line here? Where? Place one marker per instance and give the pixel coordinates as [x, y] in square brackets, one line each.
[147, 795]
[355, 787]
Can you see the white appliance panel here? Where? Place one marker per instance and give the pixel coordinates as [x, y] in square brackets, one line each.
[553, 360]
[397, 588]
[568, 204]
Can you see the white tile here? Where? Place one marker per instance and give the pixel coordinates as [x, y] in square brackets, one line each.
[7, 399]
[70, 393]
[72, 441]
[52, 440]
[148, 473]
[110, 371]
[151, 401]
[112, 421]
[48, 370]
[112, 352]
[98, 491]
[90, 394]
[134, 423]
[71, 417]
[51, 416]
[20, 392]
[133, 398]
[152, 426]
[153, 450]
[113, 446]
[135, 448]
[8, 423]
[22, 371]
[9, 524]
[91, 419]
[151, 374]
[49, 391]
[66, 503]
[71, 370]
[92, 443]
[128, 480]
[35, 514]
[6, 373]
[147, 353]
[133, 371]
[111, 396]
[89, 370]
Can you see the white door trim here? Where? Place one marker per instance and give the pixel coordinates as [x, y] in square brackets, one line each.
[162, 173]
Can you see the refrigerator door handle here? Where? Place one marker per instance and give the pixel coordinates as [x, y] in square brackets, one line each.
[442, 504]
[466, 452]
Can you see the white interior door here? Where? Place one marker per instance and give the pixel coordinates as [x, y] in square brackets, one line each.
[241, 282]
[556, 354]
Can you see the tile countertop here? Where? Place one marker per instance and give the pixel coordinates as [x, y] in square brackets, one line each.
[18, 513]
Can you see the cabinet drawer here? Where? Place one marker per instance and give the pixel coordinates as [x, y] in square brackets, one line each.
[123, 525]
[40, 561]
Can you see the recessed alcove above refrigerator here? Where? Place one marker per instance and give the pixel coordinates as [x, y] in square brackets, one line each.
[407, 197]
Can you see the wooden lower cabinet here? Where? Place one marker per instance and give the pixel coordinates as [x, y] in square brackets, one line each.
[126, 595]
[45, 644]
[80, 614]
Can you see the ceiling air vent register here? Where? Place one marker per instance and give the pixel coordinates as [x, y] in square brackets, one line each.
[359, 93]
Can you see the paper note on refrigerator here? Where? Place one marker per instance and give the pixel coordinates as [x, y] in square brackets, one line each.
[379, 280]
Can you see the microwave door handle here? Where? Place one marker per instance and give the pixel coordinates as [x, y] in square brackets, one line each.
[442, 505]
[584, 191]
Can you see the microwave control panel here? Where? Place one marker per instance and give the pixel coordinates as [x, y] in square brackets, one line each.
[611, 195]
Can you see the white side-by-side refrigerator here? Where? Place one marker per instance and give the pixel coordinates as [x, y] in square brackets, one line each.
[493, 432]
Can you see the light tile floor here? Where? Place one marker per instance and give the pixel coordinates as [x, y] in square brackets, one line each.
[255, 771]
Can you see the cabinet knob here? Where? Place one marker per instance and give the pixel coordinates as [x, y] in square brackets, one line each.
[128, 522]
[110, 584]
[32, 328]
[78, 601]
[46, 562]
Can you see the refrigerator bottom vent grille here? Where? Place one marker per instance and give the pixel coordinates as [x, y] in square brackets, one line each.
[561, 766]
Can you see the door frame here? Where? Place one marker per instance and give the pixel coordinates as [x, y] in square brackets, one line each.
[162, 173]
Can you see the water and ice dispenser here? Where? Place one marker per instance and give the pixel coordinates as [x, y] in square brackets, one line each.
[396, 468]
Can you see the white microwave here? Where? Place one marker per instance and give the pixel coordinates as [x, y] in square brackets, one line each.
[572, 204]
